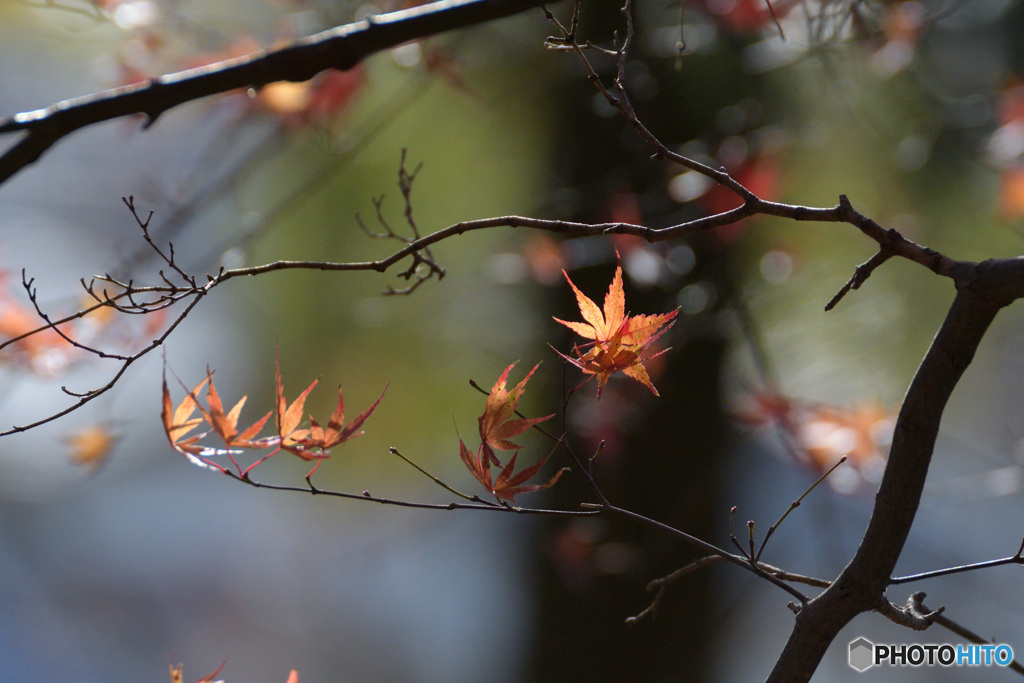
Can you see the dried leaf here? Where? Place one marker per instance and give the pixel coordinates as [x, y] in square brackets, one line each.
[288, 417]
[208, 678]
[508, 486]
[479, 466]
[314, 443]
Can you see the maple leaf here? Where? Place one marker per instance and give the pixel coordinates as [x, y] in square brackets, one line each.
[817, 435]
[600, 326]
[179, 421]
[323, 439]
[208, 678]
[508, 485]
[617, 340]
[496, 425]
[496, 428]
[226, 425]
[313, 443]
[860, 433]
[177, 676]
[91, 445]
[479, 465]
[288, 417]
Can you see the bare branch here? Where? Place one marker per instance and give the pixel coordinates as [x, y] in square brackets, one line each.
[860, 275]
[87, 396]
[365, 495]
[1016, 558]
[339, 48]
[967, 634]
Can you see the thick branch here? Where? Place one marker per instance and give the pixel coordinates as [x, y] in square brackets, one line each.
[338, 48]
[982, 291]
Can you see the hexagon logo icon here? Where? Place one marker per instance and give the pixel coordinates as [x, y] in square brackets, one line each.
[862, 654]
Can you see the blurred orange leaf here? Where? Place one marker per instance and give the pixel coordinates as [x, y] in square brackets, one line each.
[91, 445]
[1011, 194]
[820, 434]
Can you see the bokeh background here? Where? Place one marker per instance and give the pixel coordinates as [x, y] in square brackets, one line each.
[116, 561]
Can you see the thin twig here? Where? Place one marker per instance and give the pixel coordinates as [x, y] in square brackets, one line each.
[1016, 558]
[437, 481]
[794, 505]
[365, 495]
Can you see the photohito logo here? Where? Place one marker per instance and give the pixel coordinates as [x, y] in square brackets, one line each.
[864, 654]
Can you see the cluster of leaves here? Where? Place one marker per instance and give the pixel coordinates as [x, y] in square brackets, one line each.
[617, 343]
[311, 444]
[818, 434]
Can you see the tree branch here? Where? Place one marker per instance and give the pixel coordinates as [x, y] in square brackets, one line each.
[340, 48]
[982, 291]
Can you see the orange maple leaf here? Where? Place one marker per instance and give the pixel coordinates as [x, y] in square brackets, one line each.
[817, 435]
[617, 340]
[91, 445]
[309, 444]
[313, 443]
[335, 435]
[288, 417]
[496, 425]
[226, 425]
[179, 421]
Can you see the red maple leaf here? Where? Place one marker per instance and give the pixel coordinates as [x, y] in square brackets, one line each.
[496, 425]
[509, 484]
[496, 428]
[335, 435]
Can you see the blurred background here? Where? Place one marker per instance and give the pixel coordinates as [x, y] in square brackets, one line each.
[117, 557]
